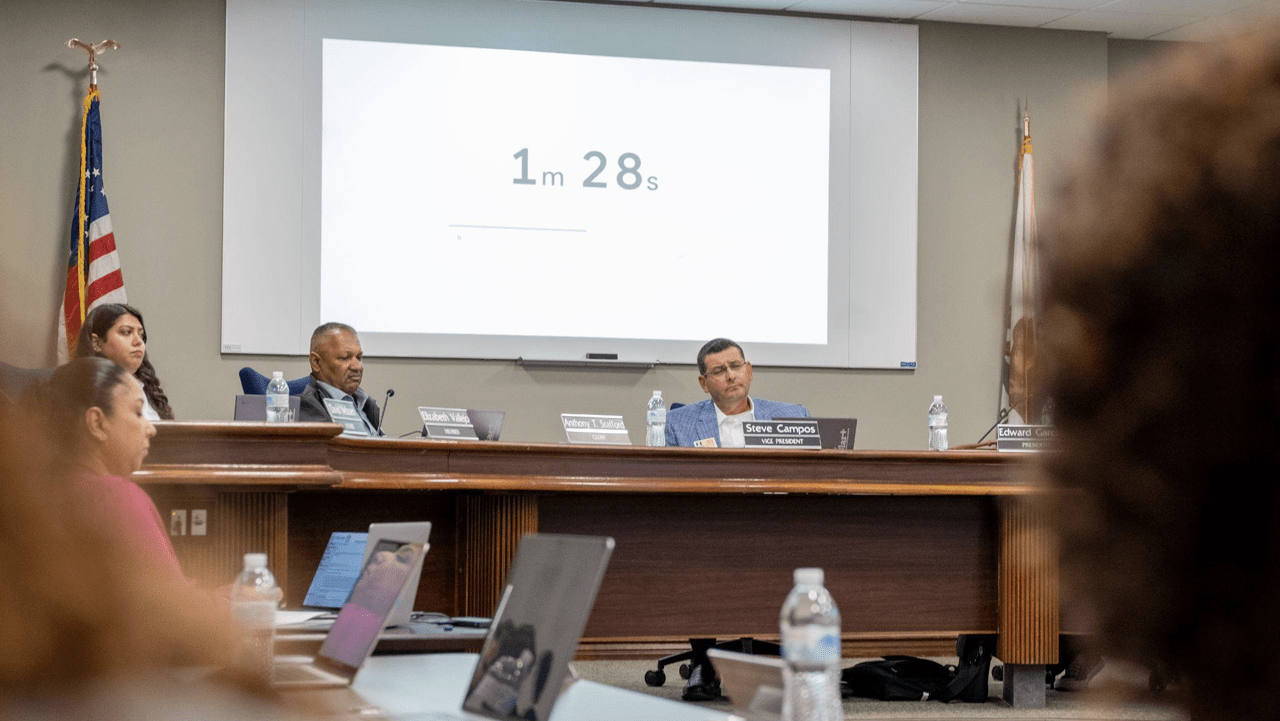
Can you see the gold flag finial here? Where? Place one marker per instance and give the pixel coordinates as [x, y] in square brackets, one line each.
[93, 51]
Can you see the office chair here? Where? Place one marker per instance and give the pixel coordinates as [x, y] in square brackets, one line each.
[14, 381]
[255, 384]
[704, 685]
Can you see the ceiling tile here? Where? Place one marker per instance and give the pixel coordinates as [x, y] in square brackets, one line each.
[1136, 26]
[1052, 4]
[895, 9]
[1201, 8]
[744, 4]
[1222, 27]
[993, 15]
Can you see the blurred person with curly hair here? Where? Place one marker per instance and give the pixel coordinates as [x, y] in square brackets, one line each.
[1163, 314]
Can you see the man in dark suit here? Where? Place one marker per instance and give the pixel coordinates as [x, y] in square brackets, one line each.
[725, 375]
[337, 367]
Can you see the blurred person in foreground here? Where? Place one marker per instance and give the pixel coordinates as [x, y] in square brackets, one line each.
[1163, 315]
[93, 626]
[95, 411]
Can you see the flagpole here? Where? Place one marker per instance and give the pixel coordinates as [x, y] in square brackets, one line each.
[93, 51]
[69, 321]
[81, 220]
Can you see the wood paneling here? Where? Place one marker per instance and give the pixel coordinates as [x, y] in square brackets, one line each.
[1029, 597]
[722, 565]
[489, 530]
[316, 514]
[237, 523]
[918, 547]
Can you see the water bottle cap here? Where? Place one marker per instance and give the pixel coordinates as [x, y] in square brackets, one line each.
[658, 393]
[809, 576]
[255, 560]
[937, 398]
[277, 374]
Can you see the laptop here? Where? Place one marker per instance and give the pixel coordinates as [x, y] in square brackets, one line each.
[419, 531]
[346, 554]
[834, 433]
[339, 569]
[543, 610]
[752, 683]
[254, 407]
[355, 632]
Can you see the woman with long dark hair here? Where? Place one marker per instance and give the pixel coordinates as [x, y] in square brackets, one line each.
[95, 410]
[115, 331]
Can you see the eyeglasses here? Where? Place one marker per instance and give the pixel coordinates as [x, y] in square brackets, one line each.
[719, 371]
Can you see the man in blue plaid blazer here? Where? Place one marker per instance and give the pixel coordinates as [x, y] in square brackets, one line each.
[725, 375]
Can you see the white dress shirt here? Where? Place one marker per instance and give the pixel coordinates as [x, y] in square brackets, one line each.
[731, 426]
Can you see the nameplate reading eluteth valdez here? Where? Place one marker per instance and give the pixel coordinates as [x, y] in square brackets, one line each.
[448, 424]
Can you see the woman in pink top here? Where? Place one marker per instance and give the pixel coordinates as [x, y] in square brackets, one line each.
[97, 408]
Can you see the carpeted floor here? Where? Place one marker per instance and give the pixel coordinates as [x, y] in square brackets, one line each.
[1101, 703]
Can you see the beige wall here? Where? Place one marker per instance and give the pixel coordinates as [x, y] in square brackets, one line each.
[162, 119]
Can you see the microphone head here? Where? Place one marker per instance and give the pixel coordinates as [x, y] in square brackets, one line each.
[390, 392]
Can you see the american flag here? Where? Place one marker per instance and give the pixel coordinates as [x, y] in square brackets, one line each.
[93, 268]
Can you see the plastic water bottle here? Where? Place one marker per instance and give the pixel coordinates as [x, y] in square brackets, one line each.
[811, 650]
[278, 410]
[938, 425]
[656, 421]
[253, 606]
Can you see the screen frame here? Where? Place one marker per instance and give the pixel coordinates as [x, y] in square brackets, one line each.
[273, 143]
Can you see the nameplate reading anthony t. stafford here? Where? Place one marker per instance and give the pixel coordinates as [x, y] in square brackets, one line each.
[781, 434]
[1024, 439]
[345, 413]
[447, 424]
[600, 430]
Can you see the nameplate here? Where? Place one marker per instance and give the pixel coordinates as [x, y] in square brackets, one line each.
[1024, 439]
[595, 430]
[448, 424]
[345, 413]
[781, 434]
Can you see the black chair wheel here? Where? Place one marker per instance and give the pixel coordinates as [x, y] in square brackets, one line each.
[997, 672]
[685, 670]
[655, 678]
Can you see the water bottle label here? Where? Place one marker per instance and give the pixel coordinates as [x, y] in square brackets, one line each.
[278, 401]
[254, 614]
[812, 644]
[657, 416]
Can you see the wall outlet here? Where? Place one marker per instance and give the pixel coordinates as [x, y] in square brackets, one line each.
[199, 522]
[178, 522]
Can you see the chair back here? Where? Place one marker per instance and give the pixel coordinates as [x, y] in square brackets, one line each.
[255, 384]
[14, 380]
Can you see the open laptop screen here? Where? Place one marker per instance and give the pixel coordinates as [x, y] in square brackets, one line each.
[549, 593]
[338, 570]
[360, 621]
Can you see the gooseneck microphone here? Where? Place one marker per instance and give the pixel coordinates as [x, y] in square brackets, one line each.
[1001, 417]
[382, 420]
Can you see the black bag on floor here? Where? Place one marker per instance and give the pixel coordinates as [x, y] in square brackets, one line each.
[907, 678]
